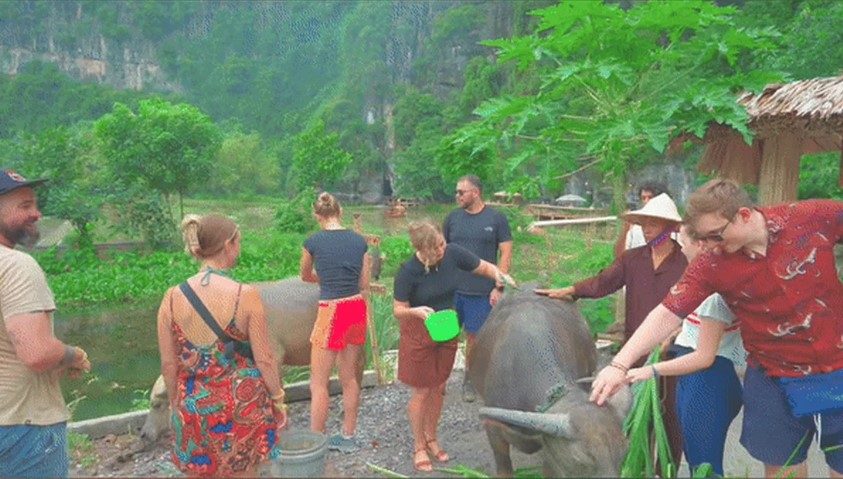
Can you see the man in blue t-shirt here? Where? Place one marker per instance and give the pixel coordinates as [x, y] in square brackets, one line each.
[483, 231]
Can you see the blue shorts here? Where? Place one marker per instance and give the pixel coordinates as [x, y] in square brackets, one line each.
[33, 451]
[771, 433]
[472, 311]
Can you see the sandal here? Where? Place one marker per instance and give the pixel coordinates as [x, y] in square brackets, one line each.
[423, 465]
[439, 454]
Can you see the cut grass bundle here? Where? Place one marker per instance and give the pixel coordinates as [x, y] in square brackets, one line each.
[644, 427]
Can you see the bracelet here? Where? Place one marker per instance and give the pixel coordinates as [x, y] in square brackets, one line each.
[655, 371]
[620, 366]
[67, 360]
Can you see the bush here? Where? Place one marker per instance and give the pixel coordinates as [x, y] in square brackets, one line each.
[295, 216]
[394, 250]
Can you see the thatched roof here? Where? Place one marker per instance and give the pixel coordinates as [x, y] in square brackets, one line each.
[809, 112]
[813, 106]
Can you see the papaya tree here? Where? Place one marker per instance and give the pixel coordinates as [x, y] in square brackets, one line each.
[616, 85]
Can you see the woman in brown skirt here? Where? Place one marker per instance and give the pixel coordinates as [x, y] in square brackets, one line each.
[426, 283]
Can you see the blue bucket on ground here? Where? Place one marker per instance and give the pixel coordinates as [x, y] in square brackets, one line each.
[302, 454]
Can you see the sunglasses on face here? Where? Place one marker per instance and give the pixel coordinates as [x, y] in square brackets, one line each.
[462, 192]
[715, 236]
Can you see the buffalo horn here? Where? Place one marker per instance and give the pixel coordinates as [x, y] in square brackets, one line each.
[553, 424]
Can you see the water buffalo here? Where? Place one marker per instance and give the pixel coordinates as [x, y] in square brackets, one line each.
[290, 307]
[525, 365]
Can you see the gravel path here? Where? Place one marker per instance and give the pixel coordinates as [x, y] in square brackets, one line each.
[383, 431]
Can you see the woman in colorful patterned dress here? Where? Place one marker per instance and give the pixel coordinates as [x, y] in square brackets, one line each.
[227, 406]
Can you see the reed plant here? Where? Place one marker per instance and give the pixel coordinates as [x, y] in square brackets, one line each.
[644, 427]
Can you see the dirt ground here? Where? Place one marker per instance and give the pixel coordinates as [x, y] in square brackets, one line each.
[383, 431]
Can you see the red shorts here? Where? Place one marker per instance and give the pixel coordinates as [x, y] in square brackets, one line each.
[340, 322]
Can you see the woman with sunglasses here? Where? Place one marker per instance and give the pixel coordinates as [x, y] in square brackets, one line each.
[708, 391]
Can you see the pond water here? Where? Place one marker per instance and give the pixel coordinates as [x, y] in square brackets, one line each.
[122, 344]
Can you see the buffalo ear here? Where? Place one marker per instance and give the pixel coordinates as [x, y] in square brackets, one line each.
[159, 389]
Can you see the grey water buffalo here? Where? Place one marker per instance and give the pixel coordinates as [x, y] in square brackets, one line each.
[525, 365]
[290, 306]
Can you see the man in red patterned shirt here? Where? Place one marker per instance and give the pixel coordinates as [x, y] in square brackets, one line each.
[775, 268]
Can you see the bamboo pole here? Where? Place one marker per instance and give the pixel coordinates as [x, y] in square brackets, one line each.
[574, 221]
[370, 321]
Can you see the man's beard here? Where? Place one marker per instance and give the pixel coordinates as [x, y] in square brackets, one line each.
[26, 235]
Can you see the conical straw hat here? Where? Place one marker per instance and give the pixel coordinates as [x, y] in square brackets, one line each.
[661, 207]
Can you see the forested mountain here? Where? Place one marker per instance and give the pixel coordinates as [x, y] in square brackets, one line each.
[364, 97]
[269, 67]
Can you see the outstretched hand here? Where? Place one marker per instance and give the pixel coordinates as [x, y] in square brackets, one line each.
[608, 382]
[566, 293]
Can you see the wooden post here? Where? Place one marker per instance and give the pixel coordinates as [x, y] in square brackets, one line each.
[778, 181]
[370, 322]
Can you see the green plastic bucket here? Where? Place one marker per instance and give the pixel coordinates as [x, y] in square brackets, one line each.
[443, 325]
[302, 454]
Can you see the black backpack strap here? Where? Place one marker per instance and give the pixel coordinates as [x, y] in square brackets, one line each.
[200, 308]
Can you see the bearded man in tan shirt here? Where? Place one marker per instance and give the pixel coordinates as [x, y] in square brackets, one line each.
[33, 415]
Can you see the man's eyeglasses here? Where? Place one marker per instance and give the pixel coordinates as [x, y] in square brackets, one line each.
[715, 236]
[461, 192]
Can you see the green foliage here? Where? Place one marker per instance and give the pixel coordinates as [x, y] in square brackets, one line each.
[644, 426]
[80, 278]
[518, 221]
[74, 192]
[453, 25]
[483, 80]
[811, 34]
[169, 148]
[416, 175]
[582, 258]
[395, 251]
[819, 176]
[318, 161]
[145, 214]
[385, 326]
[455, 158]
[39, 96]
[418, 131]
[296, 215]
[82, 449]
[244, 166]
[618, 84]
[141, 400]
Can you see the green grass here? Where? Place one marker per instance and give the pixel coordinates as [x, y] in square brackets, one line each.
[82, 449]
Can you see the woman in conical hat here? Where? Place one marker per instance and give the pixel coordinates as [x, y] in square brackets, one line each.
[648, 272]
